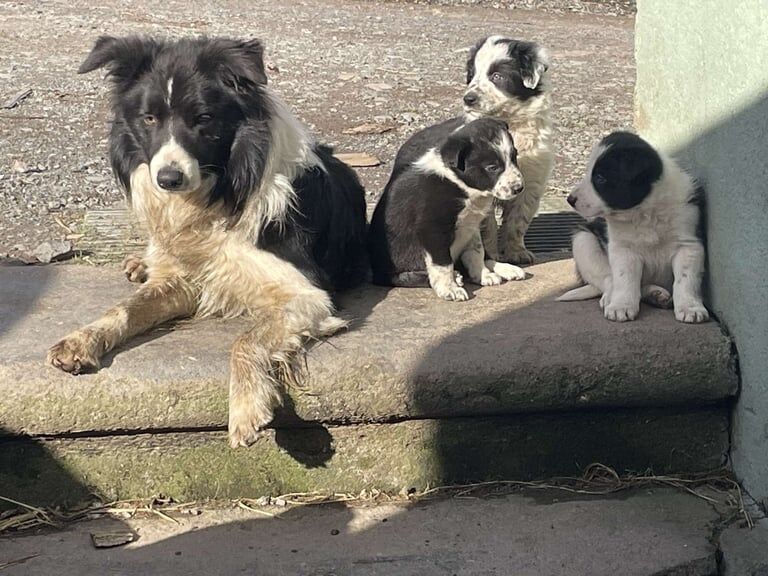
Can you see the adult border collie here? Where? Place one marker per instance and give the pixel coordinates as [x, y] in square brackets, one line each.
[430, 213]
[245, 213]
[507, 78]
[645, 240]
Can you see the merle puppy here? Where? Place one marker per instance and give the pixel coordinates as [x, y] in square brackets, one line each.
[430, 213]
[645, 237]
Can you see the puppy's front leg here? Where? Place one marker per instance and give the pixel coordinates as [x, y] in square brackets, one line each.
[688, 268]
[436, 241]
[623, 300]
[153, 304]
[516, 217]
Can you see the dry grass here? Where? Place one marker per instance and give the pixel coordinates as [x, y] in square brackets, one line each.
[598, 480]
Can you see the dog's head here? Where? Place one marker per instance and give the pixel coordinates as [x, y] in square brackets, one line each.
[482, 155]
[621, 173]
[190, 109]
[502, 75]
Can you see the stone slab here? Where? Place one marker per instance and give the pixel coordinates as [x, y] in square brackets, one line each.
[511, 349]
[645, 533]
[744, 550]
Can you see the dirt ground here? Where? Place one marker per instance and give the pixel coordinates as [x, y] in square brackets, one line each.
[338, 63]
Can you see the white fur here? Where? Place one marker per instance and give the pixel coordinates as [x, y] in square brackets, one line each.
[653, 251]
[172, 154]
[531, 129]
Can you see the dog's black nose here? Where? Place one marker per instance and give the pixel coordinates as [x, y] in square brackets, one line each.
[470, 98]
[170, 178]
[571, 200]
[517, 188]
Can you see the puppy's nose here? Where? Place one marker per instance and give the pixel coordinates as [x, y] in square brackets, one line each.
[170, 178]
[470, 98]
[517, 188]
[571, 200]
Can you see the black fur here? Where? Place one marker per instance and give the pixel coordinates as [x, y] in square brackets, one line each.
[599, 228]
[417, 211]
[222, 116]
[521, 64]
[699, 199]
[626, 171]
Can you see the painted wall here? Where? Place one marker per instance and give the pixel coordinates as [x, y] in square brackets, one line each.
[702, 94]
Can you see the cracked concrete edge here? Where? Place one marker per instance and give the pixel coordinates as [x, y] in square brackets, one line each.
[389, 457]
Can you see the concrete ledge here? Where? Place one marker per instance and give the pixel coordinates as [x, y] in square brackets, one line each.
[390, 457]
[511, 349]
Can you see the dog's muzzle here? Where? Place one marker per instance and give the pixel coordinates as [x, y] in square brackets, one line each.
[471, 99]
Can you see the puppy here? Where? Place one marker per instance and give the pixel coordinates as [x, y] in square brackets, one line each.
[507, 79]
[645, 240]
[429, 216]
[245, 213]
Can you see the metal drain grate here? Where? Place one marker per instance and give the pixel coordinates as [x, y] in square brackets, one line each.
[552, 232]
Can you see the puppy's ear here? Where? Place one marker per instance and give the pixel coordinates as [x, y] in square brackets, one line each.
[125, 58]
[243, 65]
[471, 59]
[534, 61]
[245, 169]
[455, 151]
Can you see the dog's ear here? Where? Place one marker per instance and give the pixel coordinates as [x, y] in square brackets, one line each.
[243, 65]
[245, 169]
[471, 59]
[533, 60]
[455, 151]
[125, 58]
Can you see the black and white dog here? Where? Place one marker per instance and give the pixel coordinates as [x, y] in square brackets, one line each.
[245, 213]
[430, 213]
[507, 78]
[645, 237]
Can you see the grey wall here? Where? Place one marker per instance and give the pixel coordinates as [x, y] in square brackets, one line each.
[702, 94]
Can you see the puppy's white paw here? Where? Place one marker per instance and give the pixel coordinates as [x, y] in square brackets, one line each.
[657, 296]
[452, 293]
[489, 278]
[691, 313]
[459, 278]
[621, 312]
[509, 271]
[605, 301]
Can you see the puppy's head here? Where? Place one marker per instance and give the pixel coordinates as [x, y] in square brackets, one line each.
[482, 155]
[502, 75]
[621, 173]
[179, 106]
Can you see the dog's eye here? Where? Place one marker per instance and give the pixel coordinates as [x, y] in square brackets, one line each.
[496, 77]
[150, 120]
[493, 168]
[204, 118]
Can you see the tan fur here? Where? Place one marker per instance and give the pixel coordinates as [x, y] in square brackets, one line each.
[197, 265]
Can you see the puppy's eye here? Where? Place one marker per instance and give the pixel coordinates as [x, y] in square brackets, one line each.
[204, 118]
[496, 77]
[493, 168]
[150, 120]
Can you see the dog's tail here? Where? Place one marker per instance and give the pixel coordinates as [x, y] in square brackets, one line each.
[586, 292]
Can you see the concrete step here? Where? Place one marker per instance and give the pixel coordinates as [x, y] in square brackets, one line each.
[641, 533]
[418, 391]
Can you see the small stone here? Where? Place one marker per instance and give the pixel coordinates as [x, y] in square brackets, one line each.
[334, 532]
[379, 87]
[48, 251]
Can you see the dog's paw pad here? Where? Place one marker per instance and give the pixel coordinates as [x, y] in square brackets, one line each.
[509, 271]
[73, 354]
[693, 314]
[134, 269]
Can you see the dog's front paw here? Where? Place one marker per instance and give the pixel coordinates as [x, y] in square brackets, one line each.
[488, 278]
[691, 313]
[657, 296]
[134, 269]
[621, 312]
[246, 421]
[509, 271]
[518, 255]
[75, 354]
[452, 293]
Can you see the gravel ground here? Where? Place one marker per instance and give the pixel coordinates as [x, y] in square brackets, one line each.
[338, 63]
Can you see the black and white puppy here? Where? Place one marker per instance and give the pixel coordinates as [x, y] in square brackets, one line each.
[645, 237]
[507, 78]
[429, 216]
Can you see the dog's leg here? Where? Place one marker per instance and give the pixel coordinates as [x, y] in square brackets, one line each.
[516, 217]
[439, 264]
[153, 304]
[591, 265]
[473, 258]
[688, 268]
[621, 301]
[490, 234]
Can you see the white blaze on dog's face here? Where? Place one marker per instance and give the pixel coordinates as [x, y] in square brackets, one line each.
[622, 172]
[503, 75]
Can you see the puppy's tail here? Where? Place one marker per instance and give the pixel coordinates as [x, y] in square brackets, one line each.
[586, 292]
